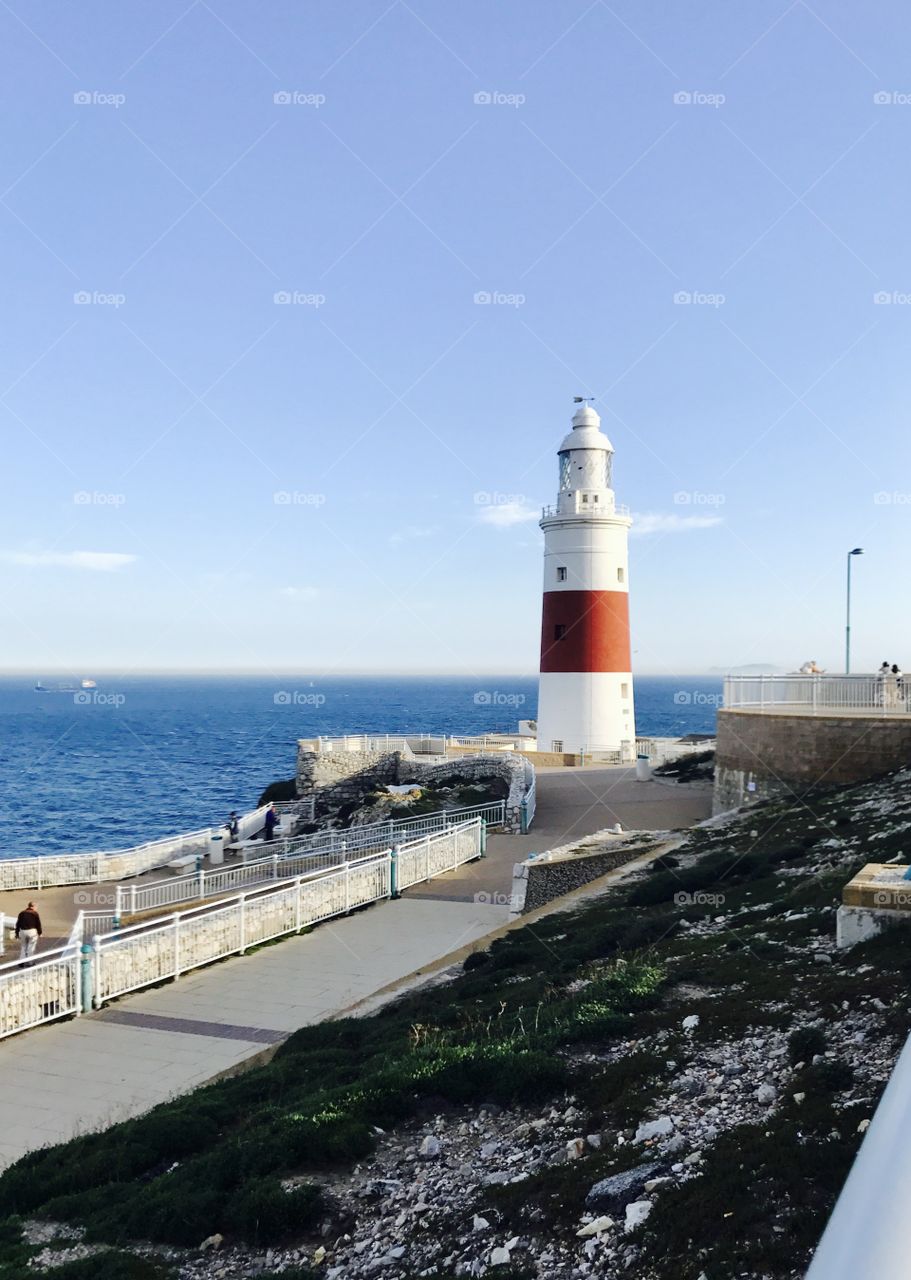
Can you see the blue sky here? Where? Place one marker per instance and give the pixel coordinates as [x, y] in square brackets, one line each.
[202, 476]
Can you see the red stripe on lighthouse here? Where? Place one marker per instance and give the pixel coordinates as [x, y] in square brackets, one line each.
[585, 631]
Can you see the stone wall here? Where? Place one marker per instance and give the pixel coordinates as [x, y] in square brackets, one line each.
[546, 881]
[338, 778]
[508, 765]
[761, 755]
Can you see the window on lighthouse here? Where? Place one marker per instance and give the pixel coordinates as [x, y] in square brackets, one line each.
[565, 471]
[561, 573]
[559, 630]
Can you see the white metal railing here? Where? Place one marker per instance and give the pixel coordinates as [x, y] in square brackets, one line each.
[304, 808]
[376, 835]
[862, 1237]
[210, 882]
[42, 990]
[431, 856]
[819, 694]
[527, 807]
[584, 508]
[116, 864]
[663, 751]
[418, 743]
[289, 859]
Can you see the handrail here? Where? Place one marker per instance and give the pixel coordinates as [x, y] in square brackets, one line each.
[863, 1237]
[883, 694]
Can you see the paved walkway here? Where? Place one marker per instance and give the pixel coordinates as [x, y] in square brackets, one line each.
[72, 1077]
[572, 803]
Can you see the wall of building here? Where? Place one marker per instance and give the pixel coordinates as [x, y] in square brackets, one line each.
[760, 755]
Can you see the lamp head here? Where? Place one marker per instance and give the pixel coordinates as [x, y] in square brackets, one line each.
[858, 551]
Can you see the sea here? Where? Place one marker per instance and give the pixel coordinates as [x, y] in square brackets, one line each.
[146, 756]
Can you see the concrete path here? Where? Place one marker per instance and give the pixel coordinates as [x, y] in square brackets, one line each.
[73, 1077]
[572, 803]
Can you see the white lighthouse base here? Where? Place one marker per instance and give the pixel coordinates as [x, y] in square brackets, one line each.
[587, 712]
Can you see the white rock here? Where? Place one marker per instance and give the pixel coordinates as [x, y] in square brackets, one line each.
[499, 1257]
[863, 1126]
[799, 1097]
[595, 1227]
[636, 1213]
[655, 1182]
[319, 1256]
[575, 1148]
[765, 1095]
[430, 1147]
[690, 1022]
[478, 1223]
[593, 1140]
[659, 1128]
[211, 1242]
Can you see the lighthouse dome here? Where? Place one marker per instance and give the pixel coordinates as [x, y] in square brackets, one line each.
[586, 416]
[586, 432]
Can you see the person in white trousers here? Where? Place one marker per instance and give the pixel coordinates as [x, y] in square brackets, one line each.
[28, 931]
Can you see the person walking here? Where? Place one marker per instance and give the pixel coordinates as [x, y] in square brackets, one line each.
[898, 677]
[271, 822]
[233, 828]
[28, 931]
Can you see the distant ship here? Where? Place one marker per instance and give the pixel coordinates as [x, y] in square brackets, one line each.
[65, 688]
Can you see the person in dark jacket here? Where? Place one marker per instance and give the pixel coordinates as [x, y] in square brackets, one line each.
[271, 821]
[28, 931]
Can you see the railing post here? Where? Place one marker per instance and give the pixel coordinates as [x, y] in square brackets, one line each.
[40, 860]
[96, 971]
[85, 979]
[118, 906]
[176, 945]
[243, 923]
[523, 817]
[201, 882]
[347, 887]
[426, 858]
[297, 905]
[483, 837]
[394, 871]
[132, 899]
[275, 866]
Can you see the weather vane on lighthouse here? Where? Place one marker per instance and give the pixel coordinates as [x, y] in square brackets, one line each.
[585, 693]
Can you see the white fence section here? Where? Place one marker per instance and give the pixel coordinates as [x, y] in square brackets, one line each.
[46, 989]
[288, 858]
[529, 801]
[863, 1237]
[433, 855]
[823, 694]
[379, 835]
[664, 750]
[117, 864]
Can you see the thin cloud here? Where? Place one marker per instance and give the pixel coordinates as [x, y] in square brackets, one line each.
[646, 524]
[503, 515]
[411, 533]
[300, 593]
[97, 561]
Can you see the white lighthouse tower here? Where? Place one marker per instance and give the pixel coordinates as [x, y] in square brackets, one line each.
[585, 695]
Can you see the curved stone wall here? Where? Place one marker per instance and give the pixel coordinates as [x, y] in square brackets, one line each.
[760, 754]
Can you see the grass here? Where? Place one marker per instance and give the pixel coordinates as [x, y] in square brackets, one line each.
[525, 1023]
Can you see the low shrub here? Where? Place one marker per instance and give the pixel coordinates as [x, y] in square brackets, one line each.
[805, 1043]
[262, 1211]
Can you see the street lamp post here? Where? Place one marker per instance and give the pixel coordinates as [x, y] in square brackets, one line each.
[858, 551]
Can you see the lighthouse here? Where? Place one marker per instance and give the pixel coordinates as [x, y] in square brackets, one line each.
[585, 694]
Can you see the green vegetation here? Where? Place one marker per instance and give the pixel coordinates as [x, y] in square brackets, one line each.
[525, 1022]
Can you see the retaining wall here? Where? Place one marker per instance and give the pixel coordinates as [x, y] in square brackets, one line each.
[763, 754]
